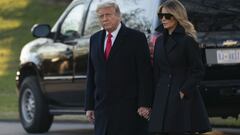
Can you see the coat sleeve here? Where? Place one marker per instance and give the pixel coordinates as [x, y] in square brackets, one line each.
[196, 68]
[89, 95]
[144, 72]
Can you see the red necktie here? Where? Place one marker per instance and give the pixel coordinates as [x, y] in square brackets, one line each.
[108, 45]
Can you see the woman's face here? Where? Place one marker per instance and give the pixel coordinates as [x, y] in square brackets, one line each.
[168, 20]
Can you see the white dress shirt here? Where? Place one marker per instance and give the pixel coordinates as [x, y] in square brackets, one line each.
[114, 35]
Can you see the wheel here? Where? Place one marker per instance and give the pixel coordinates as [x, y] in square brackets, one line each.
[33, 108]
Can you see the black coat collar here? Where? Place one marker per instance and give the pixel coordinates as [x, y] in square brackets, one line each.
[178, 30]
[118, 41]
[171, 42]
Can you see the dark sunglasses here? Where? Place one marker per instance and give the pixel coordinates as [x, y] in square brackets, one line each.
[166, 15]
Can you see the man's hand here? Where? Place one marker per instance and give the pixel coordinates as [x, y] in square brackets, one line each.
[144, 112]
[181, 94]
[90, 116]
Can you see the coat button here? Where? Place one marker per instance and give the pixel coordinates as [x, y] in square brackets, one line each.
[168, 85]
[170, 76]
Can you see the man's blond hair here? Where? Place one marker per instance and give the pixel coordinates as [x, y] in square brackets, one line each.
[107, 4]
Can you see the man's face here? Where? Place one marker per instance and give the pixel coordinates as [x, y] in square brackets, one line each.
[108, 18]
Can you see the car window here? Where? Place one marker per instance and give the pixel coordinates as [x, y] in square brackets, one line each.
[72, 22]
[92, 23]
[136, 14]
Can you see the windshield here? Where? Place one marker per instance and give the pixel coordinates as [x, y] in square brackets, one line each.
[214, 15]
[217, 21]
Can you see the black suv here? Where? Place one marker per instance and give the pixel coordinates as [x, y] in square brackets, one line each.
[52, 73]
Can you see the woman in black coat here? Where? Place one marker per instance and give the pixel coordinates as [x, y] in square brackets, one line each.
[178, 107]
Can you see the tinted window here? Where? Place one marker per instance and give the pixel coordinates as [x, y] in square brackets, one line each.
[92, 23]
[72, 22]
[138, 14]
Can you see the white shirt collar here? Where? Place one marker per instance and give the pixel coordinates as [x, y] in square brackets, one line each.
[115, 32]
[114, 35]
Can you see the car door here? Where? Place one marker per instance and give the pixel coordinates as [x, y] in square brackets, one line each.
[58, 64]
[82, 48]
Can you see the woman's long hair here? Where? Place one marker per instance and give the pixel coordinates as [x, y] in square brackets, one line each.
[179, 12]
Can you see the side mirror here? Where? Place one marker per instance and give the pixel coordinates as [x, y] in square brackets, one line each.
[41, 30]
[72, 33]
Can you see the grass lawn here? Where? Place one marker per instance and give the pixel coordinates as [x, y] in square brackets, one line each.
[229, 122]
[16, 19]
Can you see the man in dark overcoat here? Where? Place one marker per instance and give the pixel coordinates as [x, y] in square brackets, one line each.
[119, 80]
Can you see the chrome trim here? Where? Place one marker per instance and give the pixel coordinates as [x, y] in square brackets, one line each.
[80, 77]
[65, 77]
[67, 111]
[58, 77]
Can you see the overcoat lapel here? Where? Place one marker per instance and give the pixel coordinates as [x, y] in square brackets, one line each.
[101, 38]
[162, 52]
[119, 41]
[166, 49]
[170, 45]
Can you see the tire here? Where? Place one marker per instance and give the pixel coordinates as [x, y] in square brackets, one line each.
[33, 108]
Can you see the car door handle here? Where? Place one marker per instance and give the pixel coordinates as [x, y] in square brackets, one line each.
[71, 42]
[68, 53]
